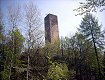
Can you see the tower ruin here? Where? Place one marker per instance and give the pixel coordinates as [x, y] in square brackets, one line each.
[51, 28]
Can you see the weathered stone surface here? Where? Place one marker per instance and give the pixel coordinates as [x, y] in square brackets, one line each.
[51, 28]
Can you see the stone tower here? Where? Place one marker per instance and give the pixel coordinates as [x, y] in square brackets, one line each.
[51, 28]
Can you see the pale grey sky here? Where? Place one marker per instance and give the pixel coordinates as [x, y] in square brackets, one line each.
[67, 21]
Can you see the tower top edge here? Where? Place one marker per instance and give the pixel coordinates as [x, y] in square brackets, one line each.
[48, 15]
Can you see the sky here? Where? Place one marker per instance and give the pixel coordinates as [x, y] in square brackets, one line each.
[67, 21]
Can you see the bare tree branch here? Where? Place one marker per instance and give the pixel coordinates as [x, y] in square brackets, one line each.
[90, 6]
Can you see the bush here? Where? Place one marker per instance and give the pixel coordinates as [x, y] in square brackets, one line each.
[57, 71]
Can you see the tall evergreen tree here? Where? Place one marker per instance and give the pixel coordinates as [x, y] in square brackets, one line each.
[90, 28]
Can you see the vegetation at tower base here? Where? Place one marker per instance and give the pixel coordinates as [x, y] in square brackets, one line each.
[58, 71]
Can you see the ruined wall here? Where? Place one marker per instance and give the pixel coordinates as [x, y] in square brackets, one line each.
[51, 28]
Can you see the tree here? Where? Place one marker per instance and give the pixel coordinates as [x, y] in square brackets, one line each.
[34, 34]
[19, 39]
[13, 20]
[1, 33]
[89, 28]
[76, 49]
[90, 6]
[57, 71]
[2, 54]
[18, 48]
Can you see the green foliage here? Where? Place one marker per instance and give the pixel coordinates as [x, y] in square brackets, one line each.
[90, 28]
[12, 57]
[18, 40]
[57, 71]
[1, 31]
[51, 49]
[92, 31]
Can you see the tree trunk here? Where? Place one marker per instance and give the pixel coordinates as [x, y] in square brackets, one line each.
[28, 68]
[95, 49]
